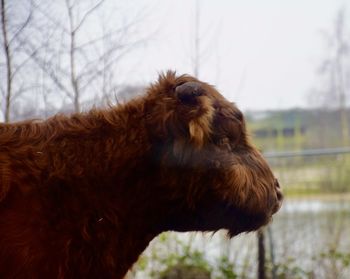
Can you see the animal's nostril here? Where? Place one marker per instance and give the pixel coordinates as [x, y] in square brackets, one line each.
[279, 195]
[277, 184]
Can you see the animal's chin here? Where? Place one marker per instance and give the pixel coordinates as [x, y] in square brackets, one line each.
[249, 224]
[216, 216]
[236, 220]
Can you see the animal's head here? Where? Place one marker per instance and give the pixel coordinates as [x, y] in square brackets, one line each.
[210, 175]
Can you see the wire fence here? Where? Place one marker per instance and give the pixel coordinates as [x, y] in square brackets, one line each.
[310, 237]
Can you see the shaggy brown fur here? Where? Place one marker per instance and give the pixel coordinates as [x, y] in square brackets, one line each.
[82, 196]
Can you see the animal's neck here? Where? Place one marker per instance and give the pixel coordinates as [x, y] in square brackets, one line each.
[107, 206]
[131, 244]
[127, 225]
[118, 208]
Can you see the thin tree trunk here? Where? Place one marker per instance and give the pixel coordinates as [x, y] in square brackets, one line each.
[8, 91]
[342, 101]
[196, 41]
[340, 57]
[73, 74]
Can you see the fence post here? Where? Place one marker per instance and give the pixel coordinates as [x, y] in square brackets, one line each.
[261, 254]
[272, 253]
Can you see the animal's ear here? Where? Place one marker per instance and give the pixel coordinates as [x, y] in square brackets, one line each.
[196, 109]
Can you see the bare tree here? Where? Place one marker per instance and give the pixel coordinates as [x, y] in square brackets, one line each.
[342, 51]
[82, 63]
[334, 71]
[14, 61]
[59, 52]
[204, 43]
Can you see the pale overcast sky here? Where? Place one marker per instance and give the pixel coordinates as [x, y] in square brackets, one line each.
[262, 54]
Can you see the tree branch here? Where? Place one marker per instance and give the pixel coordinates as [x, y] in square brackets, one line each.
[86, 15]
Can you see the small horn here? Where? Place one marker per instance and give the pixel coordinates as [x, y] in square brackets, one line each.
[189, 91]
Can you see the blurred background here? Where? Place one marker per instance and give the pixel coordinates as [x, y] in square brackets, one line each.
[286, 64]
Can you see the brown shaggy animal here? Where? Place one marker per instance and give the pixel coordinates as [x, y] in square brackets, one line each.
[82, 196]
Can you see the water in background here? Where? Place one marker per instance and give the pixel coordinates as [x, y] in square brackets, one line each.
[309, 238]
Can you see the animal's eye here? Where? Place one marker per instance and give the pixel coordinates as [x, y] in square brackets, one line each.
[224, 142]
[231, 128]
[227, 128]
[239, 115]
